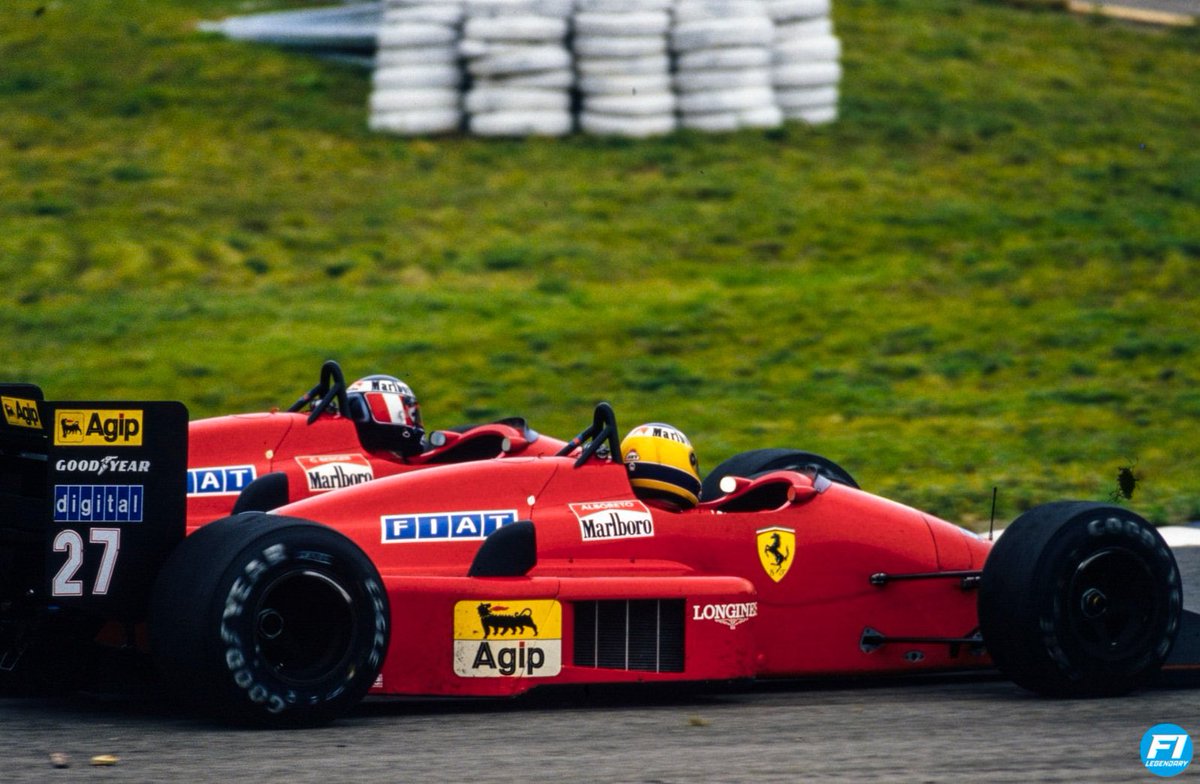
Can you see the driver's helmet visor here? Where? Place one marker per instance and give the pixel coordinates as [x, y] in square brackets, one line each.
[393, 408]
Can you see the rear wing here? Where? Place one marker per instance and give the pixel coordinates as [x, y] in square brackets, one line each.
[93, 498]
[23, 449]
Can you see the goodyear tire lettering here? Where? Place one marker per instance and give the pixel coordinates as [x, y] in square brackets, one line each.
[296, 613]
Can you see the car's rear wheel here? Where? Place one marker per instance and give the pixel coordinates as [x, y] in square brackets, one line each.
[1080, 599]
[760, 461]
[269, 620]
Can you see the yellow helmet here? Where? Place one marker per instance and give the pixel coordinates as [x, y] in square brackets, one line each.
[661, 463]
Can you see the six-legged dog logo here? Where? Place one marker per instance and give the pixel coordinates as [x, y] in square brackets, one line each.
[512, 623]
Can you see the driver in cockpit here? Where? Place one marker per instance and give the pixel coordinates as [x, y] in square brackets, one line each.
[387, 415]
[662, 466]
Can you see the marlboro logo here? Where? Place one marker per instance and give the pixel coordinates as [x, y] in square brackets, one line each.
[334, 472]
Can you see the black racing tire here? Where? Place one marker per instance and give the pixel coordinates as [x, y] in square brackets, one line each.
[1080, 599]
[269, 620]
[760, 461]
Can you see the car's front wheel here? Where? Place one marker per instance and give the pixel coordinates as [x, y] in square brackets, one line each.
[1080, 599]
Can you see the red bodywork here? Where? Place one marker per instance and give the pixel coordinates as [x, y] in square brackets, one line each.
[774, 580]
[226, 453]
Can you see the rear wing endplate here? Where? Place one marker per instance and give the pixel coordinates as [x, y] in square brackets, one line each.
[113, 501]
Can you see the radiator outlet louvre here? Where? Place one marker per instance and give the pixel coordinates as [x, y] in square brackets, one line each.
[644, 635]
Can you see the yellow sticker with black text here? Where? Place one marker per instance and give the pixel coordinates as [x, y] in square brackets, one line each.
[20, 412]
[98, 427]
[502, 639]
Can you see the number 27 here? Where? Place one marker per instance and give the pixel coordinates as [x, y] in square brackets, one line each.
[71, 543]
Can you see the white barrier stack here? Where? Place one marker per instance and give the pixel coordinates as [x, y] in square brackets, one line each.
[616, 67]
[521, 77]
[624, 71]
[416, 88]
[806, 67]
[723, 65]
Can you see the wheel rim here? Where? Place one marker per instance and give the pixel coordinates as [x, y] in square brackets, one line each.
[304, 625]
[1112, 604]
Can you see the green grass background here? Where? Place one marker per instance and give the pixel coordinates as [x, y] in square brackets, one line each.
[986, 273]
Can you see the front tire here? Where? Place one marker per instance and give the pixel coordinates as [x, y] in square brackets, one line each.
[269, 620]
[1080, 599]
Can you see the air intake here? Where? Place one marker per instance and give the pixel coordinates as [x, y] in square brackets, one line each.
[637, 634]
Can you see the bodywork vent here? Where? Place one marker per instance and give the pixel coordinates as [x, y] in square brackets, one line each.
[630, 634]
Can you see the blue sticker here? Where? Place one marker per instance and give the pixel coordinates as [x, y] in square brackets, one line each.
[1166, 750]
[444, 526]
[98, 503]
[219, 480]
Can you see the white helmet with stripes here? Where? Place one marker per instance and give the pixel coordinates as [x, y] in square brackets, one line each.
[387, 414]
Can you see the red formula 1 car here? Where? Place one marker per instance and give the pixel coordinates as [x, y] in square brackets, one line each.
[334, 436]
[494, 577]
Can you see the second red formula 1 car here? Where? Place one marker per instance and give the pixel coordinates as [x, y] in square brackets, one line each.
[334, 436]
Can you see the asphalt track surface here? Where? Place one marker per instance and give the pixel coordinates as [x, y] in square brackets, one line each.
[978, 728]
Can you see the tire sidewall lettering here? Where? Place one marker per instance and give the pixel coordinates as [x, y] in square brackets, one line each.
[1099, 533]
[248, 673]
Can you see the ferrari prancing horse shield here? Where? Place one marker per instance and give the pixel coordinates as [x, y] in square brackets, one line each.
[775, 548]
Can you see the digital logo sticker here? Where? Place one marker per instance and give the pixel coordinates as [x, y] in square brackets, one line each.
[1166, 750]
[98, 428]
[20, 412]
[98, 503]
[504, 639]
[775, 548]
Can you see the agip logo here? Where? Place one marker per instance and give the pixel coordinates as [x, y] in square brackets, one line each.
[501, 639]
[20, 412]
[90, 427]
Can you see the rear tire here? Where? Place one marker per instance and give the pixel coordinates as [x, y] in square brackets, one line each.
[760, 461]
[269, 620]
[1080, 599]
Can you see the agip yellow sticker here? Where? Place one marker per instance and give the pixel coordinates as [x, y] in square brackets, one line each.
[499, 639]
[20, 412]
[104, 427]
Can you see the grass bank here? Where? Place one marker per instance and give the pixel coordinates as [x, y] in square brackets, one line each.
[984, 274]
